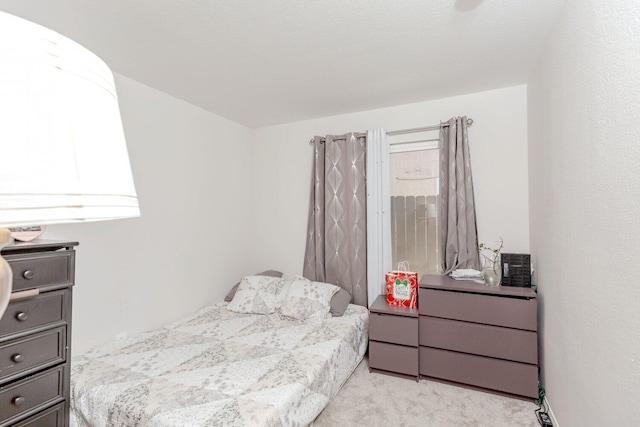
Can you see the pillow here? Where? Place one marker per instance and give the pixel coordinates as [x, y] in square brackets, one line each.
[307, 300]
[258, 295]
[270, 273]
[339, 302]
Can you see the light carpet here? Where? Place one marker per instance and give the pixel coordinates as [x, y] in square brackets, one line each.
[374, 399]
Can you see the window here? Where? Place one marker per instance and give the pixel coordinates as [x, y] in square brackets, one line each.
[413, 192]
[412, 234]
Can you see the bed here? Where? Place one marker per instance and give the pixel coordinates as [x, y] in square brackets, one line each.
[220, 367]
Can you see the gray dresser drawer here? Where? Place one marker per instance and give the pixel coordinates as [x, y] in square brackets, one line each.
[475, 338]
[393, 358]
[519, 313]
[38, 270]
[52, 417]
[31, 394]
[31, 353]
[31, 313]
[393, 329]
[509, 377]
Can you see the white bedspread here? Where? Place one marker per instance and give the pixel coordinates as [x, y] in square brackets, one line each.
[219, 368]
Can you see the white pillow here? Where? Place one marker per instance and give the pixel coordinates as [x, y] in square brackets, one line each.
[307, 300]
[258, 295]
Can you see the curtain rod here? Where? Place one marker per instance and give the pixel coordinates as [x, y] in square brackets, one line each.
[401, 131]
[339, 138]
[423, 129]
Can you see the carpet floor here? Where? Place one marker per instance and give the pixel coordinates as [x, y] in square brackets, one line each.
[373, 399]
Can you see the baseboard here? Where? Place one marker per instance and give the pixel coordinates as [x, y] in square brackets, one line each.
[554, 420]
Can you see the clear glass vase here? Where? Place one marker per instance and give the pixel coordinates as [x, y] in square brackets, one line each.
[491, 270]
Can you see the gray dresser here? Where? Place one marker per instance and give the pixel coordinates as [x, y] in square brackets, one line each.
[462, 332]
[35, 335]
[393, 339]
[478, 335]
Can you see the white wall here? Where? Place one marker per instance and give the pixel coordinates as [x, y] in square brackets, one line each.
[584, 152]
[191, 243]
[498, 140]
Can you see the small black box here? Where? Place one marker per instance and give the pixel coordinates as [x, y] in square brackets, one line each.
[516, 270]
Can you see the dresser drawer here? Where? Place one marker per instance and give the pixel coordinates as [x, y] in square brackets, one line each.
[509, 377]
[519, 313]
[393, 329]
[393, 358]
[52, 417]
[36, 270]
[40, 311]
[28, 354]
[31, 394]
[474, 338]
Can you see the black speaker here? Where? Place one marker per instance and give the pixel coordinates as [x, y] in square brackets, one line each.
[516, 270]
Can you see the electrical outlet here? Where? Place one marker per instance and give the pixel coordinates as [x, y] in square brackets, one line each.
[545, 420]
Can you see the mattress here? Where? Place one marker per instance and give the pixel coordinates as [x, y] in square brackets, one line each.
[218, 367]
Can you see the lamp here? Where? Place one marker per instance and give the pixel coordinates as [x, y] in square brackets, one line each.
[63, 155]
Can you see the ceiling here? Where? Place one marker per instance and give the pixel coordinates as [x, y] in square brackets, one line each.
[264, 62]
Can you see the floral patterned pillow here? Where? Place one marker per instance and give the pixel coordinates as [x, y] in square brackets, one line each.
[258, 295]
[307, 300]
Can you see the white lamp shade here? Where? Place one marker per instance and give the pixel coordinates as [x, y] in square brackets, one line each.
[63, 155]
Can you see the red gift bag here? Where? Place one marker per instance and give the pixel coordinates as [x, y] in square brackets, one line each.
[402, 286]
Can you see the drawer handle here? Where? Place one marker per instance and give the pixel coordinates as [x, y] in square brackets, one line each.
[17, 358]
[22, 316]
[19, 401]
[28, 274]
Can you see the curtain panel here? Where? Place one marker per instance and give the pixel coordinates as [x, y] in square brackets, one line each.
[378, 212]
[458, 232]
[336, 250]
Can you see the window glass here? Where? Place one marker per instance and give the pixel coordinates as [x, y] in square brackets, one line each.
[414, 188]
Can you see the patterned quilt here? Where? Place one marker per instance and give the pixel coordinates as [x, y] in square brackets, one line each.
[219, 368]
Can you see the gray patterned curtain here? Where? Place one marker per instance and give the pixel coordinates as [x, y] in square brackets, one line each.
[458, 233]
[336, 249]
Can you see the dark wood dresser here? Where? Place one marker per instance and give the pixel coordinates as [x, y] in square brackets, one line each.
[35, 335]
[478, 335]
